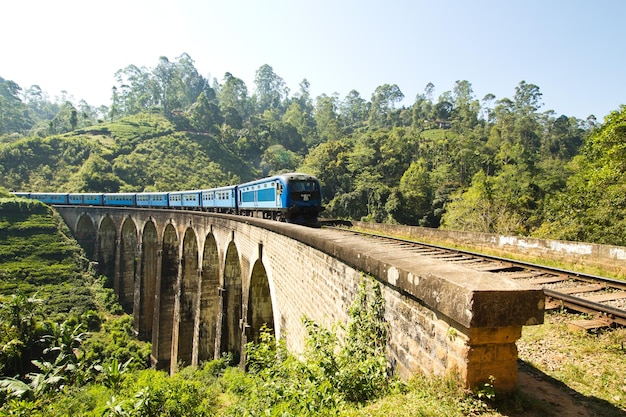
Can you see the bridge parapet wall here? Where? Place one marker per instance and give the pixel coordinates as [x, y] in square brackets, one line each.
[442, 317]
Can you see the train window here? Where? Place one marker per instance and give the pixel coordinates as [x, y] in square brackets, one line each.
[300, 186]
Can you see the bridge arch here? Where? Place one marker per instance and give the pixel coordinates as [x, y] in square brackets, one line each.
[232, 304]
[209, 301]
[148, 279]
[189, 285]
[260, 308]
[107, 236]
[167, 295]
[125, 277]
[86, 234]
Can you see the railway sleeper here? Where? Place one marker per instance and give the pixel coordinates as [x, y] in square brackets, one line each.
[587, 325]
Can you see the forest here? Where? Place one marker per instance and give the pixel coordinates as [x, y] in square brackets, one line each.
[450, 160]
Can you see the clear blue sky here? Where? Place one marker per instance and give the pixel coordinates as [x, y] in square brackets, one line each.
[574, 50]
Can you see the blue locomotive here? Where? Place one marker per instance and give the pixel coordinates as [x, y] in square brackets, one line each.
[293, 197]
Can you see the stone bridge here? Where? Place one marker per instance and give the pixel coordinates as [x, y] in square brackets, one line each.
[199, 285]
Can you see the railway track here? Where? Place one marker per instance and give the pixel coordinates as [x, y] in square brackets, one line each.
[604, 299]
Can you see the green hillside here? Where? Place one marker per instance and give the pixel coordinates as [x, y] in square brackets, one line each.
[38, 257]
[136, 153]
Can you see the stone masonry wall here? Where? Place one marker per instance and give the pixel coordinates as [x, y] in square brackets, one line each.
[442, 318]
[307, 282]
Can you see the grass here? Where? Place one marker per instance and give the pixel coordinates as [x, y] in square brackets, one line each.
[593, 364]
[426, 397]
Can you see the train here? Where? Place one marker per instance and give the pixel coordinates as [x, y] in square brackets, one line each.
[293, 197]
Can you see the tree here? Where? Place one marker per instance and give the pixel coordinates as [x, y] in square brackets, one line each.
[421, 112]
[135, 92]
[417, 194]
[327, 119]
[488, 100]
[65, 121]
[562, 137]
[302, 121]
[443, 110]
[383, 101]
[592, 208]
[277, 159]
[234, 101]
[466, 107]
[473, 209]
[190, 84]
[204, 115]
[354, 109]
[271, 89]
[170, 86]
[329, 163]
[14, 115]
[39, 104]
[164, 74]
[96, 175]
[19, 329]
[527, 98]
[303, 97]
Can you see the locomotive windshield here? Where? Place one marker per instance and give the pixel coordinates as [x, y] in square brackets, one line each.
[302, 186]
